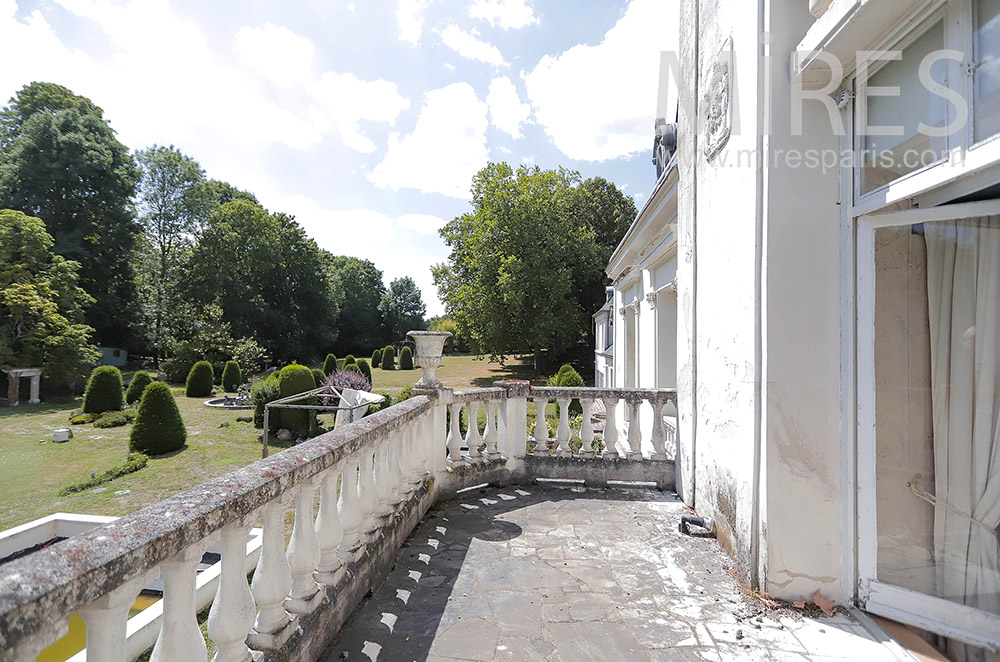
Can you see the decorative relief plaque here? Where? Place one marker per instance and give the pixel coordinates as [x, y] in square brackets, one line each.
[718, 101]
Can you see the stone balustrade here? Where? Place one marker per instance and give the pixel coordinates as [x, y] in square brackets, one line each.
[375, 479]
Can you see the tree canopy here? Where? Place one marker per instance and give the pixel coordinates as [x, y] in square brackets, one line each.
[60, 161]
[402, 308]
[525, 271]
[41, 306]
[360, 321]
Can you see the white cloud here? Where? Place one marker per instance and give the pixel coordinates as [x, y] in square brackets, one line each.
[277, 53]
[447, 146]
[506, 110]
[424, 224]
[505, 14]
[598, 102]
[468, 45]
[410, 16]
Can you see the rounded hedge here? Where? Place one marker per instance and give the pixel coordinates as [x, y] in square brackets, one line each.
[366, 369]
[104, 390]
[318, 377]
[353, 367]
[330, 364]
[406, 358]
[158, 427]
[388, 358]
[349, 359]
[376, 358]
[232, 377]
[568, 376]
[140, 381]
[292, 380]
[200, 380]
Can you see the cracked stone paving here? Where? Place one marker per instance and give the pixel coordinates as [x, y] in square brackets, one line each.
[572, 575]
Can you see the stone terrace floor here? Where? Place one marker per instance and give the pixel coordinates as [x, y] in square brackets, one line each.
[573, 574]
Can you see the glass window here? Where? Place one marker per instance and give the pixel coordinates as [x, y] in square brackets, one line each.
[937, 410]
[986, 105]
[904, 149]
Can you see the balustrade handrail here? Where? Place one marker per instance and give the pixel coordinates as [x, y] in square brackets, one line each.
[54, 582]
[589, 392]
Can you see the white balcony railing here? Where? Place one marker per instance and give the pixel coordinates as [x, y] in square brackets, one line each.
[375, 479]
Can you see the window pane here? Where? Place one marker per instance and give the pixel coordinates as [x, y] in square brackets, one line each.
[937, 409]
[887, 157]
[987, 79]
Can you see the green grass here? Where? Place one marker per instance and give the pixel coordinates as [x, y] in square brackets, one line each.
[459, 371]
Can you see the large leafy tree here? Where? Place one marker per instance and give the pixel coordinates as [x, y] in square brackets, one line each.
[175, 201]
[269, 278]
[60, 161]
[402, 308]
[41, 306]
[361, 325]
[526, 266]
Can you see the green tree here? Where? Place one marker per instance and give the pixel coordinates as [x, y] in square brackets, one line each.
[456, 342]
[174, 202]
[60, 161]
[402, 308]
[519, 262]
[360, 321]
[271, 281]
[41, 306]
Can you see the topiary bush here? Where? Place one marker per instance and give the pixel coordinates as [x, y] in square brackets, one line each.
[376, 358]
[318, 376]
[388, 358]
[406, 358]
[158, 427]
[264, 391]
[352, 367]
[140, 381]
[349, 360]
[330, 364]
[104, 390]
[114, 419]
[200, 380]
[568, 377]
[366, 369]
[292, 380]
[232, 377]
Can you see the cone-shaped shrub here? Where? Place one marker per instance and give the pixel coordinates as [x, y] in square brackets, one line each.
[349, 360]
[353, 367]
[140, 381]
[406, 358]
[376, 358]
[104, 390]
[232, 378]
[292, 380]
[158, 427]
[366, 369]
[318, 376]
[330, 364]
[388, 358]
[568, 376]
[200, 380]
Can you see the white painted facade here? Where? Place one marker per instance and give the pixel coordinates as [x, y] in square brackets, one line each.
[814, 388]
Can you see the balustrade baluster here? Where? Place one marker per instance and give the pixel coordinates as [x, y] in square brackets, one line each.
[659, 433]
[562, 432]
[107, 622]
[473, 440]
[329, 530]
[425, 443]
[503, 443]
[350, 513]
[492, 436]
[610, 437]
[366, 490]
[414, 472]
[271, 581]
[397, 468]
[541, 427]
[634, 430]
[231, 616]
[454, 441]
[384, 478]
[303, 553]
[180, 637]
[587, 429]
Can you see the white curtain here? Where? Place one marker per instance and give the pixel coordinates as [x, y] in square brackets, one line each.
[963, 290]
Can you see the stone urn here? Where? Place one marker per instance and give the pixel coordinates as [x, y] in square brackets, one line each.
[430, 346]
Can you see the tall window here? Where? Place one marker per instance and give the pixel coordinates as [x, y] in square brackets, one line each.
[987, 68]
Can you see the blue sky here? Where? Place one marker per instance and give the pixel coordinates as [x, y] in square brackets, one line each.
[366, 120]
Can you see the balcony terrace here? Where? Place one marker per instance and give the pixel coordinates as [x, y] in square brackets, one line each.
[519, 570]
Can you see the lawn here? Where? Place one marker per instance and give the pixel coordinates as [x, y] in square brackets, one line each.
[32, 473]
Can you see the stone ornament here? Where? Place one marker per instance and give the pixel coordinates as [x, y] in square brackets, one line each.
[718, 101]
[430, 347]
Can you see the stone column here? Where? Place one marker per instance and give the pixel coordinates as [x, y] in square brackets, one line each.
[13, 382]
[33, 399]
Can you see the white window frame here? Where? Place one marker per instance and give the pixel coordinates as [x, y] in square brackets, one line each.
[973, 626]
[964, 156]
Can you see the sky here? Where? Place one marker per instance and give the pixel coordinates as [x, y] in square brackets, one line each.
[365, 119]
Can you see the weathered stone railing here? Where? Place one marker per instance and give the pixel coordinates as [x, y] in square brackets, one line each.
[390, 468]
